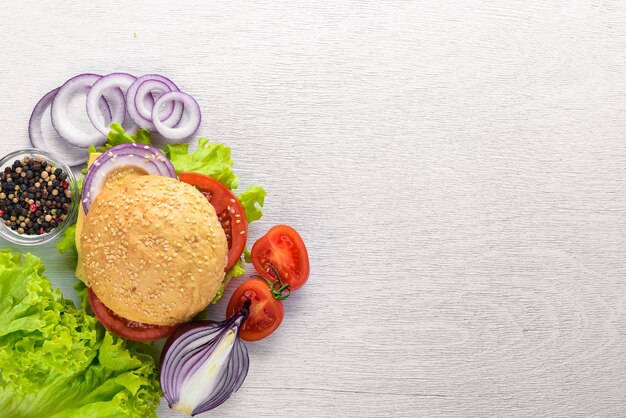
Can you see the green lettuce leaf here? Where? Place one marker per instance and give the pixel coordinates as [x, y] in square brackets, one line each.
[252, 200]
[58, 362]
[82, 291]
[68, 241]
[117, 136]
[247, 255]
[237, 270]
[210, 159]
[219, 293]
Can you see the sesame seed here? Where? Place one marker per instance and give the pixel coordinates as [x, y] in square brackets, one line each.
[242, 232]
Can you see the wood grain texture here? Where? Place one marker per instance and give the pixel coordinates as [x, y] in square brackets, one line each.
[457, 169]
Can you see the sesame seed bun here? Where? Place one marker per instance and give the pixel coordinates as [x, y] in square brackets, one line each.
[153, 250]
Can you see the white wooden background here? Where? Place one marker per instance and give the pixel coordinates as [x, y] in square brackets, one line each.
[457, 169]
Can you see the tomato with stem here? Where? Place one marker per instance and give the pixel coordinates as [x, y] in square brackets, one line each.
[266, 308]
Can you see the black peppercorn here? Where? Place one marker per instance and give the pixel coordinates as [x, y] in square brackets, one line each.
[31, 198]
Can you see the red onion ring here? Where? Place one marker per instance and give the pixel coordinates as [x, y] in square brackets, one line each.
[144, 121]
[60, 121]
[194, 116]
[35, 129]
[104, 87]
[146, 89]
[142, 156]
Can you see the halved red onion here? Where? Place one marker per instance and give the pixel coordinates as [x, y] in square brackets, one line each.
[134, 103]
[203, 363]
[35, 129]
[192, 109]
[112, 87]
[145, 157]
[75, 136]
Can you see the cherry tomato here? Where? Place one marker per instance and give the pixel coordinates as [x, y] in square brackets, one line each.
[266, 311]
[229, 211]
[125, 328]
[283, 248]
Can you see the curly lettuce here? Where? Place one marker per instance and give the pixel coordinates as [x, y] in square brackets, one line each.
[68, 240]
[117, 136]
[58, 362]
[252, 200]
[210, 159]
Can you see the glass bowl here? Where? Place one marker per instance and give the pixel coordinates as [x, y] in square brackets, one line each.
[23, 239]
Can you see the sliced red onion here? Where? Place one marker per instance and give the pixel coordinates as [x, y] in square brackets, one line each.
[141, 156]
[191, 125]
[164, 85]
[112, 87]
[203, 363]
[146, 89]
[75, 136]
[35, 129]
[108, 93]
[132, 101]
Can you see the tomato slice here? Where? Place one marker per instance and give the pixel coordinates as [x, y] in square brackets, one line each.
[266, 313]
[283, 248]
[229, 211]
[125, 328]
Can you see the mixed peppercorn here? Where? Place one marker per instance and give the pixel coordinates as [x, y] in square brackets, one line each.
[35, 196]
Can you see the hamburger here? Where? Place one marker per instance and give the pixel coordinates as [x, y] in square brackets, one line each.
[152, 252]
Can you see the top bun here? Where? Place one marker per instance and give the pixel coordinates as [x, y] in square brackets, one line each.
[153, 250]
